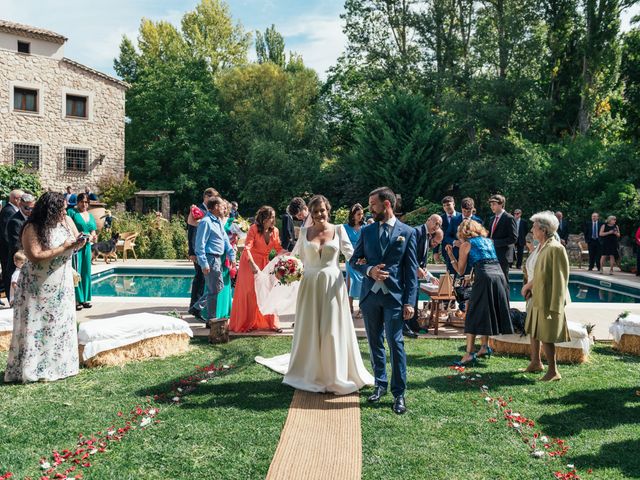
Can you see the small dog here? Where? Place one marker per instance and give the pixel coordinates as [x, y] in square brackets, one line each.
[105, 249]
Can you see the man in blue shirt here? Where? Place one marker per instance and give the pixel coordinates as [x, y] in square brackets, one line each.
[211, 244]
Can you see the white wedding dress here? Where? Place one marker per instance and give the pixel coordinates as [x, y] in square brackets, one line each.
[325, 356]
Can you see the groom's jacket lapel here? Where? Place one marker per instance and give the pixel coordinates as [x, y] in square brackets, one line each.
[376, 239]
[393, 238]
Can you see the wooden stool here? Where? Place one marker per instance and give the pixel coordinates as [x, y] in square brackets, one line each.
[445, 293]
[219, 332]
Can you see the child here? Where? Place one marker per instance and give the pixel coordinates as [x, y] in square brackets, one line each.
[18, 259]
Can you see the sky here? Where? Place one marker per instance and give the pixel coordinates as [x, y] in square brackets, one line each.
[312, 28]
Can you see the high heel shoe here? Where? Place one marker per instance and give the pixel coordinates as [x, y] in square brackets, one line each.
[472, 360]
[488, 351]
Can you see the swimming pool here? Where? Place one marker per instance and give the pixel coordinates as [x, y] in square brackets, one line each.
[176, 283]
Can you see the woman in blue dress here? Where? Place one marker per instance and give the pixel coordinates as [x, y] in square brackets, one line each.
[488, 309]
[352, 227]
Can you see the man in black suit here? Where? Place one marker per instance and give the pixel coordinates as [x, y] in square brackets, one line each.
[563, 228]
[297, 210]
[11, 208]
[503, 232]
[592, 237]
[522, 227]
[14, 229]
[429, 236]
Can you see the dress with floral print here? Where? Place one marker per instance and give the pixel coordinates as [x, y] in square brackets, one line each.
[44, 345]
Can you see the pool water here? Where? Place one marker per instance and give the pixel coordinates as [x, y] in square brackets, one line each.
[150, 282]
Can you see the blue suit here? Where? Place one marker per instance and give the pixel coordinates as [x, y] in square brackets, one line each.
[382, 312]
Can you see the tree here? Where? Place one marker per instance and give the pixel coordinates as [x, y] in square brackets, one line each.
[270, 47]
[630, 72]
[399, 143]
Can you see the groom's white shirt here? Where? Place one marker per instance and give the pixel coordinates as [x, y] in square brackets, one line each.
[379, 285]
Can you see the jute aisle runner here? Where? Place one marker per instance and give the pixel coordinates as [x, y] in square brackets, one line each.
[321, 439]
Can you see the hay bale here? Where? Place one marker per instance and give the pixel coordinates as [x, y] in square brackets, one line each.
[156, 347]
[628, 344]
[563, 354]
[219, 332]
[5, 341]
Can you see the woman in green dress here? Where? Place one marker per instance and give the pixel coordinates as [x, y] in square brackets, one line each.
[226, 294]
[86, 224]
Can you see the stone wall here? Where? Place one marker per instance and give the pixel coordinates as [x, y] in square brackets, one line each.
[102, 133]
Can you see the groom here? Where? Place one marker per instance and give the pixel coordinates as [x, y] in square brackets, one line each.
[389, 289]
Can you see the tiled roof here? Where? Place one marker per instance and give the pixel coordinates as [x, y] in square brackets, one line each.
[32, 32]
[96, 72]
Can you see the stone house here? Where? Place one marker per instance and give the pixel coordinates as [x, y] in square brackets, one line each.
[61, 118]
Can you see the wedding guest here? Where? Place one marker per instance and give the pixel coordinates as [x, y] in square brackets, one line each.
[547, 287]
[44, 345]
[447, 215]
[197, 284]
[223, 309]
[429, 237]
[262, 238]
[18, 260]
[233, 213]
[563, 228]
[451, 235]
[10, 209]
[297, 210]
[592, 237]
[609, 233]
[14, 229]
[522, 227]
[86, 224]
[68, 193]
[488, 309]
[637, 238]
[90, 195]
[211, 245]
[503, 233]
[354, 277]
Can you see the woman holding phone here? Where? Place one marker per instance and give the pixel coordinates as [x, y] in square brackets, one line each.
[86, 225]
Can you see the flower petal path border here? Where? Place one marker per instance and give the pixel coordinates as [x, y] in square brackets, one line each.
[321, 439]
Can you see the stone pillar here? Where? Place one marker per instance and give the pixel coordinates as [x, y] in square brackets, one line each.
[166, 206]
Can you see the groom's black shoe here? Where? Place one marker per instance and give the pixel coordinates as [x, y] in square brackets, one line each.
[399, 406]
[377, 393]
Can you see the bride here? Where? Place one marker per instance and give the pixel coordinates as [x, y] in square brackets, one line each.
[325, 356]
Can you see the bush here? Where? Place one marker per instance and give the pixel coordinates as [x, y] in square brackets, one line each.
[157, 237]
[17, 176]
[114, 190]
[340, 215]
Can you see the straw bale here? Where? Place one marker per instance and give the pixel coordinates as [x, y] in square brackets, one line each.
[563, 354]
[160, 346]
[628, 344]
[5, 341]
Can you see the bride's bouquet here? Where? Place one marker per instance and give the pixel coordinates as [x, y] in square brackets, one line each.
[288, 269]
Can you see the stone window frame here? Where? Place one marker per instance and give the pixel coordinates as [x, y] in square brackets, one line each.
[28, 86]
[77, 93]
[31, 144]
[76, 147]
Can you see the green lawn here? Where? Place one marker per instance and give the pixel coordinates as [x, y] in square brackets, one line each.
[228, 428]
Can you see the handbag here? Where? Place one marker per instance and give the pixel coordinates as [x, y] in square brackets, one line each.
[463, 286]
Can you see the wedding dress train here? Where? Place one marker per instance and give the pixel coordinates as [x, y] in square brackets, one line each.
[325, 356]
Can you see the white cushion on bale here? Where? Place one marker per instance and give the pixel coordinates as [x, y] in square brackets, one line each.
[626, 334]
[120, 339]
[575, 351]
[6, 328]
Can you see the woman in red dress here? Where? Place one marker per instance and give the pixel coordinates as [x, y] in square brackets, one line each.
[262, 238]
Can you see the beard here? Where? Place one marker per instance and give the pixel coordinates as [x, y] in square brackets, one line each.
[379, 216]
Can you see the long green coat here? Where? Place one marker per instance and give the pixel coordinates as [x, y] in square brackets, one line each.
[546, 319]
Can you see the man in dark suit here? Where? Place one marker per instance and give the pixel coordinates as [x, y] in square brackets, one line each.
[297, 210]
[197, 284]
[522, 227]
[592, 237]
[503, 232]
[563, 228]
[14, 229]
[451, 236]
[448, 212]
[10, 209]
[429, 236]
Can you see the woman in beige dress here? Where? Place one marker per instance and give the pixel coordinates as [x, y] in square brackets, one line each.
[547, 289]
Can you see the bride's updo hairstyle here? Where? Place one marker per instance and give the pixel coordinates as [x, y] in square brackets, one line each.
[264, 213]
[317, 200]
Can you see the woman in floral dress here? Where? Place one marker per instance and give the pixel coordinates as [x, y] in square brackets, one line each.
[44, 345]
